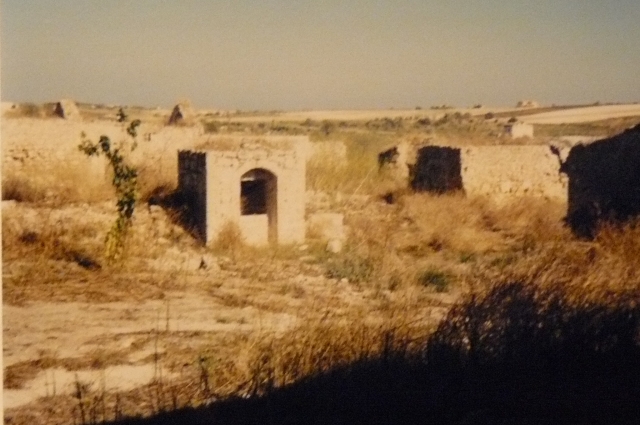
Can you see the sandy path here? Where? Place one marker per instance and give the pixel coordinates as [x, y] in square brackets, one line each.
[586, 114]
[76, 329]
[73, 330]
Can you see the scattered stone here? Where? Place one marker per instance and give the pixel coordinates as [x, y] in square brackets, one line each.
[326, 226]
[175, 260]
[155, 209]
[8, 204]
[209, 263]
[334, 246]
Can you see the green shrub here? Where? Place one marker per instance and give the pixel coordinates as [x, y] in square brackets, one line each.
[211, 126]
[125, 182]
[355, 268]
[30, 110]
[436, 279]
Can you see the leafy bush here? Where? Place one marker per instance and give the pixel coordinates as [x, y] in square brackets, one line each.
[125, 182]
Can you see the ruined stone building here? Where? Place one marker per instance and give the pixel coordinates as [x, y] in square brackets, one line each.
[67, 109]
[182, 113]
[519, 129]
[500, 172]
[256, 183]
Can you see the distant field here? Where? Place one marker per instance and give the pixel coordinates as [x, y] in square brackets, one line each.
[360, 115]
[544, 115]
[584, 114]
[90, 111]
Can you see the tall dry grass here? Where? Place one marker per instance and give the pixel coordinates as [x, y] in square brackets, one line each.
[359, 173]
[556, 338]
[62, 186]
[517, 353]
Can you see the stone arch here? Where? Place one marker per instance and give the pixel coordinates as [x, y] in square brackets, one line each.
[259, 205]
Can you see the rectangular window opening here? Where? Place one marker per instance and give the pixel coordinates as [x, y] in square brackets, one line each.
[253, 194]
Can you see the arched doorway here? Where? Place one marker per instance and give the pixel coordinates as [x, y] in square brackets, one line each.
[259, 206]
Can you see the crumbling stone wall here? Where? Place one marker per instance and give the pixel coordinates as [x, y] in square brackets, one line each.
[284, 158]
[46, 149]
[511, 171]
[501, 172]
[604, 182]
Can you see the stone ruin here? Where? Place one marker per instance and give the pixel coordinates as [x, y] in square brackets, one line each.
[67, 109]
[256, 183]
[599, 181]
[527, 104]
[604, 182]
[500, 172]
[183, 113]
[519, 129]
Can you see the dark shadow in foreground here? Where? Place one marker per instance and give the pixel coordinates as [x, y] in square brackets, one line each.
[516, 355]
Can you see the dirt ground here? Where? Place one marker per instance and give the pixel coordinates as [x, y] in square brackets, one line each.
[174, 302]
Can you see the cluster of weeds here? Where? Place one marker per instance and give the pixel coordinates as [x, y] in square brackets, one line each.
[58, 187]
[435, 279]
[230, 240]
[353, 267]
[22, 189]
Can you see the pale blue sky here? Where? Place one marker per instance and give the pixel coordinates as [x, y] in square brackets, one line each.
[298, 54]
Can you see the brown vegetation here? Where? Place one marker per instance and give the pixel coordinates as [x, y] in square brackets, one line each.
[440, 308]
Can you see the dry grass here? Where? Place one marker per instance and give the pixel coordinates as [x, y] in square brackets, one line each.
[451, 222]
[584, 271]
[62, 186]
[516, 353]
[230, 240]
[359, 174]
[21, 189]
[31, 110]
[333, 347]
[351, 329]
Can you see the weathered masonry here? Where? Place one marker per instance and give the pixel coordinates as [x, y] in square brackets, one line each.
[256, 183]
[519, 129]
[496, 171]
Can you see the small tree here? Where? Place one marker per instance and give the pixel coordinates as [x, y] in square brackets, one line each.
[125, 182]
